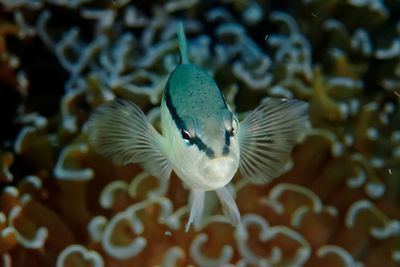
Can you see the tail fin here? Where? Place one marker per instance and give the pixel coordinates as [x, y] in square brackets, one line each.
[182, 44]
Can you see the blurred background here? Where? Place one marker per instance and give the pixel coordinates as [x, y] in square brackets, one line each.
[61, 204]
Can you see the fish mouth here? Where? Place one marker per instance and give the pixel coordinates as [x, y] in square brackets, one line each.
[220, 170]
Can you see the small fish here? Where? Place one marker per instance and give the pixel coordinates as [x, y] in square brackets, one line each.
[202, 140]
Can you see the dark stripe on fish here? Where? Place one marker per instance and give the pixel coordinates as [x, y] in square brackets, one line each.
[180, 124]
[225, 150]
[178, 121]
[203, 147]
[222, 97]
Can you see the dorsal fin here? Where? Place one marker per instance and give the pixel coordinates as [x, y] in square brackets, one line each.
[182, 44]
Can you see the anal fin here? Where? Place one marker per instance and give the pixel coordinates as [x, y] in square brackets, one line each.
[229, 205]
[196, 210]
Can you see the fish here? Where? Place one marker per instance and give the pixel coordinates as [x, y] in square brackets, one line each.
[202, 140]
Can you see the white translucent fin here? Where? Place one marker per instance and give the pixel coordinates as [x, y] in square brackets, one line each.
[196, 211]
[229, 205]
[182, 44]
[267, 136]
[121, 131]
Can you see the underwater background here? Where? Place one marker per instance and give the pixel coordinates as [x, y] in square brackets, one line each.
[61, 204]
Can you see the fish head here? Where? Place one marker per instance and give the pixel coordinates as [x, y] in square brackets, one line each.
[206, 150]
[220, 157]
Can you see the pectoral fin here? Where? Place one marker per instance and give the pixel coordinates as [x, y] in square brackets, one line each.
[121, 131]
[267, 136]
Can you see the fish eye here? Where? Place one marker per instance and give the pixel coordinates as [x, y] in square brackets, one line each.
[187, 136]
[231, 123]
[188, 130]
[235, 126]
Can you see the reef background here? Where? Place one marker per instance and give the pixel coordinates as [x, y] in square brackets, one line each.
[62, 204]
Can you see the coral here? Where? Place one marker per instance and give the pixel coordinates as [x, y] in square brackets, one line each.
[61, 204]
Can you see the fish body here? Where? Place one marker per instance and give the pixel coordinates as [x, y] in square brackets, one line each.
[194, 107]
[201, 139]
